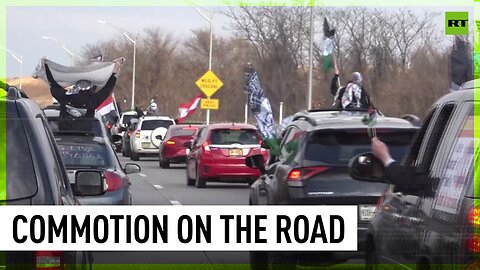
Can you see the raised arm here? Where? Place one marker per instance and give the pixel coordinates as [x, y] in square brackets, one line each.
[106, 91]
[57, 91]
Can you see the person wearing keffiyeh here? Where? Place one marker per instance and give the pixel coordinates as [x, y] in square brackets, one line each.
[351, 96]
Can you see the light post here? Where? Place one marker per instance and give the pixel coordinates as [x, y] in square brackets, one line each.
[210, 21]
[64, 47]
[310, 68]
[124, 33]
[19, 59]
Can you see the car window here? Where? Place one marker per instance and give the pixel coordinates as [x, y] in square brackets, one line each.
[179, 132]
[290, 142]
[96, 127]
[337, 147]
[458, 172]
[153, 124]
[412, 155]
[84, 155]
[21, 179]
[127, 118]
[231, 136]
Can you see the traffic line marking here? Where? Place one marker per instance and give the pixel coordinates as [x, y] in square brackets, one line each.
[158, 186]
[175, 203]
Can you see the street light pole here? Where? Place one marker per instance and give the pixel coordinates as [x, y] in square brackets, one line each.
[310, 69]
[64, 47]
[19, 59]
[124, 33]
[210, 21]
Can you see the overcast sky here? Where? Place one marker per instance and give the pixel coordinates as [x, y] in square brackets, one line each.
[77, 26]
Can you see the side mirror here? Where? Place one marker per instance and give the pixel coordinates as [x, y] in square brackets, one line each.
[256, 162]
[116, 138]
[132, 168]
[89, 183]
[188, 144]
[366, 167]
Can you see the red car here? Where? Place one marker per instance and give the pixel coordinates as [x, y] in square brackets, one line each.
[218, 154]
[172, 149]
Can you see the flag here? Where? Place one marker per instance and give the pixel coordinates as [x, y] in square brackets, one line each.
[189, 108]
[107, 107]
[461, 63]
[328, 34]
[261, 109]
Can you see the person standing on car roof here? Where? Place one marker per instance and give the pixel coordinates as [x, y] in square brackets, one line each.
[351, 96]
[395, 173]
[77, 106]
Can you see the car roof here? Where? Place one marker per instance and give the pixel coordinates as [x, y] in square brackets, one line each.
[130, 113]
[230, 125]
[179, 126]
[461, 95]
[155, 117]
[338, 119]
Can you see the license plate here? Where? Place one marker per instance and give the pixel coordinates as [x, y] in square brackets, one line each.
[235, 152]
[366, 212]
[145, 145]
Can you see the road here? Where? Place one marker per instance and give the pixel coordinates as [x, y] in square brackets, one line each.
[156, 186]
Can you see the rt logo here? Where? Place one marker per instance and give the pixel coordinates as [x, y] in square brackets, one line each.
[456, 23]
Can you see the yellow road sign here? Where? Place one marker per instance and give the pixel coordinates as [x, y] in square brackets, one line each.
[209, 83]
[209, 104]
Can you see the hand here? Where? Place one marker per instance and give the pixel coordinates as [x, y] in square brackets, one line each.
[380, 150]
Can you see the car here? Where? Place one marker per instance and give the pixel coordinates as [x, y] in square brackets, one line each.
[127, 135]
[35, 175]
[312, 168]
[218, 154]
[84, 150]
[121, 126]
[434, 226]
[148, 135]
[98, 128]
[172, 149]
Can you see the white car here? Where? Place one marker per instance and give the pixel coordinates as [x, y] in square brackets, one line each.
[120, 127]
[149, 135]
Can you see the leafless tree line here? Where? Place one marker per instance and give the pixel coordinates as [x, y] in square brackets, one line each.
[397, 51]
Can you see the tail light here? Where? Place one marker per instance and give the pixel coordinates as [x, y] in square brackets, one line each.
[137, 134]
[49, 260]
[109, 126]
[114, 182]
[472, 241]
[170, 142]
[295, 176]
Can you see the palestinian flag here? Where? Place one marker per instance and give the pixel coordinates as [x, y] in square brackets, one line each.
[328, 34]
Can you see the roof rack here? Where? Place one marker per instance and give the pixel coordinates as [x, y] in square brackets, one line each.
[305, 116]
[14, 93]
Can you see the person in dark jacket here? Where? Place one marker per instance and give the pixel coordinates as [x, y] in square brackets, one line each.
[77, 109]
[401, 176]
[351, 96]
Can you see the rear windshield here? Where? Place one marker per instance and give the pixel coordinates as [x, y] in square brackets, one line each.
[21, 179]
[179, 132]
[153, 124]
[96, 127]
[231, 136]
[338, 147]
[127, 118]
[84, 155]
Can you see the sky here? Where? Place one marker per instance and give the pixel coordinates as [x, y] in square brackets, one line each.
[78, 26]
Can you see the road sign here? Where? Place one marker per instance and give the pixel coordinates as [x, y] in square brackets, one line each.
[209, 83]
[209, 104]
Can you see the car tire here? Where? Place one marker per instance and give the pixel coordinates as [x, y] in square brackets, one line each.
[201, 183]
[118, 148]
[259, 260]
[280, 261]
[134, 156]
[371, 256]
[124, 153]
[164, 164]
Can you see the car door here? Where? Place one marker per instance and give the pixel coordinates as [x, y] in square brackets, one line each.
[411, 217]
[195, 151]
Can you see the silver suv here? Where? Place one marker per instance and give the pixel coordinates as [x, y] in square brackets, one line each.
[148, 135]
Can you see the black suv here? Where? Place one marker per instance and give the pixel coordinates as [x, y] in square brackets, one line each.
[35, 175]
[313, 169]
[434, 225]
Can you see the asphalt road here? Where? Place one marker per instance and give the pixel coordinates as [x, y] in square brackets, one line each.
[157, 186]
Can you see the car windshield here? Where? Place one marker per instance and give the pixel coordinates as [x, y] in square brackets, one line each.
[180, 132]
[231, 136]
[338, 147]
[127, 118]
[84, 155]
[153, 124]
[96, 127]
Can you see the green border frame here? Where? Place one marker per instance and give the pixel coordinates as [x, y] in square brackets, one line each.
[381, 3]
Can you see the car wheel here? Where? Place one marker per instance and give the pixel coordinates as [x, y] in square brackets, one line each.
[118, 148]
[259, 260]
[201, 183]
[371, 258]
[134, 156]
[280, 261]
[164, 164]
